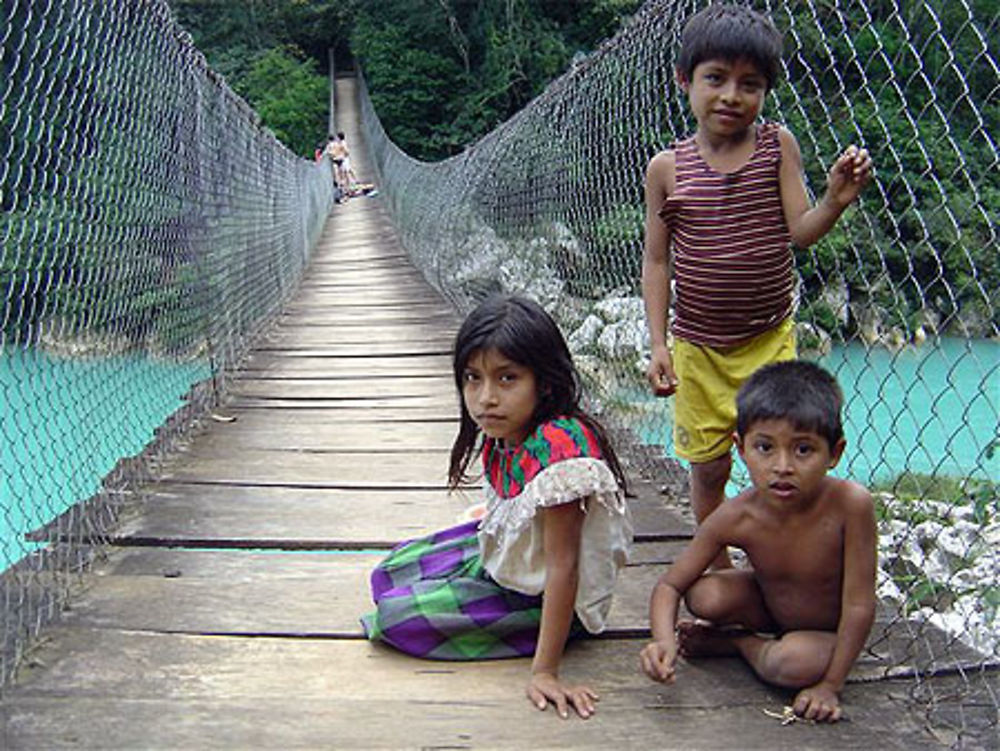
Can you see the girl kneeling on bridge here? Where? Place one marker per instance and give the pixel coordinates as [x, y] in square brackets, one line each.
[540, 566]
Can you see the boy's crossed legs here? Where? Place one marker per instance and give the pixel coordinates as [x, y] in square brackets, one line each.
[732, 603]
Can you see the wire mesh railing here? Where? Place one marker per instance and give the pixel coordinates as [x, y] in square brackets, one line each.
[150, 227]
[901, 301]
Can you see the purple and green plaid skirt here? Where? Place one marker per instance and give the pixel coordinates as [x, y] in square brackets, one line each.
[435, 600]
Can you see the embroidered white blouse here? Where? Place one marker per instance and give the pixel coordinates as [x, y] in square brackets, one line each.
[559, 463]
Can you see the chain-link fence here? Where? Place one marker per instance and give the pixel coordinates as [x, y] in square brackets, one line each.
[150, 227]
[900, 300]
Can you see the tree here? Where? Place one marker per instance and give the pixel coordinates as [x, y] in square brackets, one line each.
[289, 95]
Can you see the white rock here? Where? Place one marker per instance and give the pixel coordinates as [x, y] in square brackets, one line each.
[964, 579]
[621, 340]
[887, 589]
[585, 337]
[565, 238]
[991, 535]
[955, 544]
[617, 309]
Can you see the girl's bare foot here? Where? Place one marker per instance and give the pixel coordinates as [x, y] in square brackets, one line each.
[696, 639]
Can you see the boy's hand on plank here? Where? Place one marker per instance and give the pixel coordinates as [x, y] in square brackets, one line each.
[658, 659]
[819, 702]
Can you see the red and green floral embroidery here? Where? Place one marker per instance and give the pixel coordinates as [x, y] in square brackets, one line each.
[509, 470]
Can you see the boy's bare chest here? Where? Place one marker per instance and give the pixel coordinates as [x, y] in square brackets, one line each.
[808, 551]
[799, 569]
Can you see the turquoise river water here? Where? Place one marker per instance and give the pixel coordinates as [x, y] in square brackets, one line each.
[66, 422]
[929, 409]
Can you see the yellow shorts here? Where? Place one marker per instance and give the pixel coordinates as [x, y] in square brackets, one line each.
[707, 381]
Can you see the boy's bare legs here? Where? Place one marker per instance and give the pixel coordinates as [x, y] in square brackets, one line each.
[708, 491]
[794, 660]
[732, 598]
[729, 597]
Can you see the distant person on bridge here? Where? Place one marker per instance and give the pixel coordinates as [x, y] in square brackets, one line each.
[722, 208]
[340, 155]
[800, 614]
[540, 567]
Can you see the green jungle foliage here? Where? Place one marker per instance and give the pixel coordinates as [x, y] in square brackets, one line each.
[445, 72]
[273, 53]
[290, 97]
[914, 96]
[80, 204]
[442, 73]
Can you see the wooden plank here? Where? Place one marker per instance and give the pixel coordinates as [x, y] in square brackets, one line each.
[348, 317]
[336, 330]
[338, 268]
[252, 430]
[416, 293]
[307, 469]
[397, 296]
[336, 277]
[367, 342]
[181, 513]
[369, 248]
[396, 291]
[221, 564]
[321, 300]
[277, 593]
[299, 594]
[324, 594]
[277, 365]
[318, 419]
[440, 390]
[350, 410]
[143, 690]
[656, 515]
[350, 329]
[318, 348]
[399, 408]
[186, 514]
[367, 236]
[357, 259]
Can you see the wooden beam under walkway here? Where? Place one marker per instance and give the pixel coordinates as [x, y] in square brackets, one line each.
[226, 614]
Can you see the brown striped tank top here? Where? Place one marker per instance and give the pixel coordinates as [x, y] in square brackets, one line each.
[732, 258]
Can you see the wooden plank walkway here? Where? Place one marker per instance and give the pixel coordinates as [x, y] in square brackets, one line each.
[226, 615]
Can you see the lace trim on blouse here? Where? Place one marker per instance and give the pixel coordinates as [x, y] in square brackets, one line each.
[566, 481]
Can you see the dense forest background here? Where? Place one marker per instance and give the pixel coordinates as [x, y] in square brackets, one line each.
[442, 73]
[101, 143]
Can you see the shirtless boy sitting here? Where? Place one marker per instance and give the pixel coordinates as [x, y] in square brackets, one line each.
[801, 613]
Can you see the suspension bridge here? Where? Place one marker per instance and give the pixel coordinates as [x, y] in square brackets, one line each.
[225, 613]
[201, 588]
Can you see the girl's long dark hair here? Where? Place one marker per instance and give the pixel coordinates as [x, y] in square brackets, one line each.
[522, 331]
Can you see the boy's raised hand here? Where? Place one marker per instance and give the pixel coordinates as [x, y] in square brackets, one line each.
[849, 175]
[546, 687]
[658, 659]
[819, 703]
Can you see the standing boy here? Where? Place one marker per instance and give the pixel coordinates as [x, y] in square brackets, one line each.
[800, 615]
[722, 208]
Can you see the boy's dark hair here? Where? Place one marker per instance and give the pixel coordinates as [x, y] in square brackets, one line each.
[730, 32]
[795, 390]
[522, 331]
